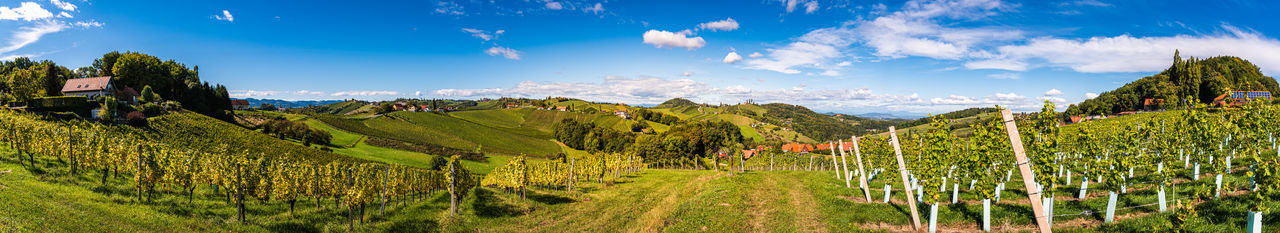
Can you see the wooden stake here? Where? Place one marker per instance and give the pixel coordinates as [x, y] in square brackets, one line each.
[906, 185]
[833, 160]
[862, 174]
[1024, 168]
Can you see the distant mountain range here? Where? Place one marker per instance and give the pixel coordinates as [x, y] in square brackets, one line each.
[290, 104]
[890, 115]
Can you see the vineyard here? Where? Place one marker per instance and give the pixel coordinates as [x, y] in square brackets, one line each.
[1106, 160]
[180, 165]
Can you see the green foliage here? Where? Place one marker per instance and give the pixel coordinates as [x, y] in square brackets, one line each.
[988, 156]
[816, 126]
[297, 131]
[23, 85]
[167, 79]
[148, 95]
[1194, 79]
[677, 102]
[107, 112]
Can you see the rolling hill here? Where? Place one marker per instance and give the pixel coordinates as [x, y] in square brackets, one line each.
[1202, 80]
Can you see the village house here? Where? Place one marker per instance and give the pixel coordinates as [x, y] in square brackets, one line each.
[89, 87]
[1237, 98]
[1152, 104]
[562, 108]
[97, 87]
[240, 105]
[621, 113]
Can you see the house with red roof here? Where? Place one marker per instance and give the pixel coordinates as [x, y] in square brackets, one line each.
[89, 87]
[1237, 98]
[240, 104]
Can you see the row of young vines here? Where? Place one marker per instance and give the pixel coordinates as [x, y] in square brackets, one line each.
[519, 174]
[158, 168]
[1156, 152]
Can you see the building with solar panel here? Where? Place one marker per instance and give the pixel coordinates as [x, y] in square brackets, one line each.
[1237, 98]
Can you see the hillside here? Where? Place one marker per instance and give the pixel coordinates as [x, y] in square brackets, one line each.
[1202, 80]
[339, 108]
[435, 129]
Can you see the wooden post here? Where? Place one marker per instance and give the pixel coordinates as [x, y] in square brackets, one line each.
[810, 160]
[1024, 166]
[70, 152]
[239, 192]
[833, 159]
[383, 209]
[570, 173]
[862, 173]
[453, 194]
[906, 185]
[770, 161]
[351, 217]
[845, 169]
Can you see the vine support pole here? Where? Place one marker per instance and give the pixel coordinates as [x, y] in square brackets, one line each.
[906, 185]
[848, 176]
[862, 173]
[1024, 168]
[382, 210]
[239, 193]
[833, 159]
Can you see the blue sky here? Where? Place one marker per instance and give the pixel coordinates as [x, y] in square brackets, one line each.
[838, 56]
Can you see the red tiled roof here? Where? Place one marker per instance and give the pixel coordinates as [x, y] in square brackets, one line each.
[86, 84]
[239, 102]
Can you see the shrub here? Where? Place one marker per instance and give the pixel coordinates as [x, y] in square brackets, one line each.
[152, 109]
[60, 102]
[136, 119]
[171, 106]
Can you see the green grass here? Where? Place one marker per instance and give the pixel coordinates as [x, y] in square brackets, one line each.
[49, 199]
[340, 138]
[431, 128]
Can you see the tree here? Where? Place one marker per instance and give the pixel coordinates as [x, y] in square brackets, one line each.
[23, 85]
[107, 111]
[149, 95]
[384, 107]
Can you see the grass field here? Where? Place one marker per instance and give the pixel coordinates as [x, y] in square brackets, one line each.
[431, 128]
[47, 199]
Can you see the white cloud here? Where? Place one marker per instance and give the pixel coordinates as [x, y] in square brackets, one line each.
[1005, 76]
[1090, 95]
[755, 55]
[917, 31]
[831, 73]
[505, 52]
[596, 9]
[87, 24]
[364, 93]
[449, 8]
[732, 58]
[27, 35]
[810, 6]
[686, 74]
[483, 35]
[251, 93]
[1085, 3]
[64, 14]
[639, 90]
[307, 92]
[66, 6]
[660, 39]
[27, 11]
[417, 93]
[226, 16]
[1053, 92]
[1126, 53]
[554, 5]
[997, 98]
[809, 51]
[722, 25]
[844, 63]
[1055, 100]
